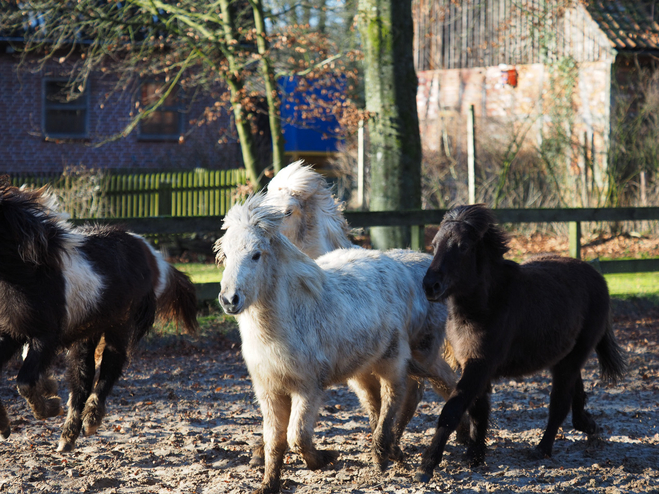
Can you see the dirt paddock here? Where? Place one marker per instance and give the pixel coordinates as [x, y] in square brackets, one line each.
[183, 417]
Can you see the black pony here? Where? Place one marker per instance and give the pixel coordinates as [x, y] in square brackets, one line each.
[65, 288]
[507, 319]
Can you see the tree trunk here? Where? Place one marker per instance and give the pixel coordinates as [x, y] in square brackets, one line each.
[236, 86]
[271, 90]
[386, 30]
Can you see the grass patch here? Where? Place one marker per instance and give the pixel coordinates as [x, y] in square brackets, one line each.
[215, 329]
[642, 289]
[201, 272]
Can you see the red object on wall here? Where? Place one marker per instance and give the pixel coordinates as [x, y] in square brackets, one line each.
[509, 77]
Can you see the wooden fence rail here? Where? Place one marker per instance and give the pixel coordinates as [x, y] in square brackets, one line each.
[574, 217]
[141, 195]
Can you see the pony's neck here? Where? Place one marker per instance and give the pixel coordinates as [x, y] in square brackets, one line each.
[477, 303]
[297, 275]
[328, 225]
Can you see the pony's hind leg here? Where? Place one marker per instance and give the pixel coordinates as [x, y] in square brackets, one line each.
[581, 419]
[413, 395]
[81, 367]
[393, 381]
[564, 376]
[367, 388]
[8, 348]
[112, 365]
[34, 384]
[304, 411]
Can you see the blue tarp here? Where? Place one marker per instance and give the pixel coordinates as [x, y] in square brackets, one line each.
[307, 134]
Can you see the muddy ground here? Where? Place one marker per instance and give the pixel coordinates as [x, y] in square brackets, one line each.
[183, 417]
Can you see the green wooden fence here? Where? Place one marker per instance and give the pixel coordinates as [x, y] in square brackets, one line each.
[142, 195]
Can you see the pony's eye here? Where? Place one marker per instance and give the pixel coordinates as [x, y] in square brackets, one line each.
[288, 212]
[256, 256]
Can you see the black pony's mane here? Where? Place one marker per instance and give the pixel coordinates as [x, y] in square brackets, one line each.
[38, 234]
[483, 221]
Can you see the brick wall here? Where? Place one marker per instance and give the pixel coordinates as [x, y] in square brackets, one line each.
[444, 97]
[23, 147]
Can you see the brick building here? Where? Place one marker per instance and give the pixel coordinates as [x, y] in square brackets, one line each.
[505, 58]
[41, 132]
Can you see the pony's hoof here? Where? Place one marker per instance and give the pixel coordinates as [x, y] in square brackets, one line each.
[475, 456]
[92, 415]
[266, 490]
[4, 434]
[53, 407]
[48, 386]
[422, 477]
[383, 464]
[65, 446]
[323, 458]
[258, 455]
[396, 454]
[462, 432]
[538, 453]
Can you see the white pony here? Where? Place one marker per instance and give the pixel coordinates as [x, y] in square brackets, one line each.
[314, 222]
[306, 325]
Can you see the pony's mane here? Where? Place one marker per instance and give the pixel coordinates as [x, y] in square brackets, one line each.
[44, 233]
[483, 221]
[253, 213]
[324, 210]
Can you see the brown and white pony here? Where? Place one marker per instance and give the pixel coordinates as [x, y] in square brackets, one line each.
[64, 288]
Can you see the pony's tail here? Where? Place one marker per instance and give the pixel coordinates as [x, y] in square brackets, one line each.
[178, 301]
[611, 356]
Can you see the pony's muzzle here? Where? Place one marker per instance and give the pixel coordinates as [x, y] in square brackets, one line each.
[433, 288]
[232, 304]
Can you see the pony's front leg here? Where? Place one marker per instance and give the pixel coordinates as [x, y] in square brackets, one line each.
[276, 411]
[34, 384]
[8, 348]
[81, 379]
[475, 380]
[304, 411]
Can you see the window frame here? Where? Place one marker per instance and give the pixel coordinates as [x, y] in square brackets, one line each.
[83, 103]
[178, 108]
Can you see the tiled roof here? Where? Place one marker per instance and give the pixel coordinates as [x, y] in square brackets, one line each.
[629, 24]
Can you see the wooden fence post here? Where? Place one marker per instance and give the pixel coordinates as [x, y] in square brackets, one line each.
[164, 199]
[361, 202]
[575, 239]
[471, 154]
[418, 239]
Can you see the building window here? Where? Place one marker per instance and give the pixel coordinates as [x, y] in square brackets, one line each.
[166, 122]
[65, 114]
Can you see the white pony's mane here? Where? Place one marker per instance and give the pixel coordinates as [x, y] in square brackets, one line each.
[253, 213]
[325, 222]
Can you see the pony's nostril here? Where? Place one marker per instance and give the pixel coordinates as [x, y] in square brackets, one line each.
[235, 299]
